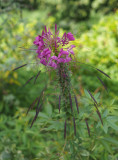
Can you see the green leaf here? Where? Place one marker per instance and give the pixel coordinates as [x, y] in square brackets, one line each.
[43, 115]
[106, 145]
[48, 109]
[86, 93]
[112, 118]
[111, 140]
[105, 127]
[85, 153]
[113, 125]
[96, 96]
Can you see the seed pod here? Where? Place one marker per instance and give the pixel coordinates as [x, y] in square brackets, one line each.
[99, 116]
[102, 83]
[37, 77]
[32, 105]
[74, 126]
[103, 73]
[71, 102]
[19, 67]
[28, 81]
[65, 130]
[77, 104]
[59, 103]
[92, 96]
[87, 127]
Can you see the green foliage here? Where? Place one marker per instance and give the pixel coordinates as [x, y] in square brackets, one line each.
[98, 47]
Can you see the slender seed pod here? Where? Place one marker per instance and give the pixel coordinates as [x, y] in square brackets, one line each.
[37, 77]
[65, 130]
[92, 96]
[19, 67]
[71, 103]
[37, 105]
[36, 115]
[103, 73]
[77, 104]
[99, 116]
[59, 103]
[32, 105]
[28, 81]
[87, 127]
[102, 83]
[74, 126]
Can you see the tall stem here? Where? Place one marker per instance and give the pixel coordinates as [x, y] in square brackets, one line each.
[65, 87]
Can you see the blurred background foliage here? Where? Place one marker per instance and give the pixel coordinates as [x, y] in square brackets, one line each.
[95, 26]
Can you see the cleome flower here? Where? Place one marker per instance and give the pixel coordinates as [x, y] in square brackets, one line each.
[54, 51]
[51, 48]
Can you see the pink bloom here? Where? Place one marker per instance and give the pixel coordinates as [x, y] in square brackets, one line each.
[70, 49]
[43, 61]
[52, 64]
[48, 47]
[70, 36]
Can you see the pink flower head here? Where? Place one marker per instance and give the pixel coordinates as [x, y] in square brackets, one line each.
[70, 36]
[48, 47]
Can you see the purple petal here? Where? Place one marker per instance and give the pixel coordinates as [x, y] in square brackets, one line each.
[54, 58]
[43, 61]
[70, 36]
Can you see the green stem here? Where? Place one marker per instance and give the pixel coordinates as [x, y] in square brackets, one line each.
[65, 86]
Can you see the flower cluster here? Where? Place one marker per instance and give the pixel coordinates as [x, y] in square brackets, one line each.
[51, 48]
